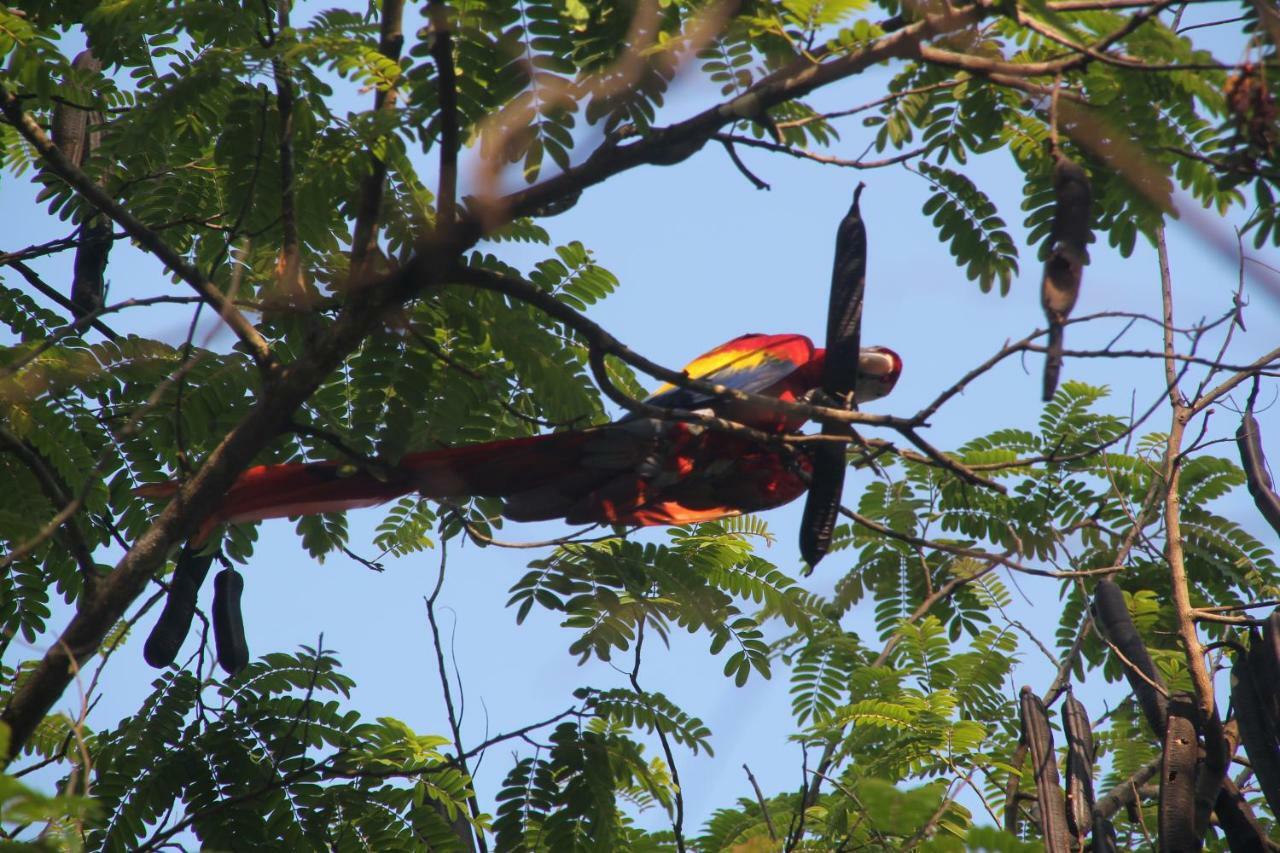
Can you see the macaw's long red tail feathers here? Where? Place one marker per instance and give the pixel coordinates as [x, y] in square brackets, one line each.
[275, 491]
[497, 468]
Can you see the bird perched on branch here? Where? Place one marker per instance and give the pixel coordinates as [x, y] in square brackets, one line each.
[636, 470]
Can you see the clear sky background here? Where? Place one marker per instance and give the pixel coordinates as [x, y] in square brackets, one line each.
[702, 257]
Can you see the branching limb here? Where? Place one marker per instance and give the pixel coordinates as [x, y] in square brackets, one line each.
[1200, 677]
[730, 139]
[1126, 792]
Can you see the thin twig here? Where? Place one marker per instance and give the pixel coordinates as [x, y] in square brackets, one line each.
[454, 724]
[764, 810]
[677, 820]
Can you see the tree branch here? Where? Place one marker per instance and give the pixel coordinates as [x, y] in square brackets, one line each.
[199, 496]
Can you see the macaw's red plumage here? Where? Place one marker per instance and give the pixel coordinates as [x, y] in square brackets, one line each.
[634, 471]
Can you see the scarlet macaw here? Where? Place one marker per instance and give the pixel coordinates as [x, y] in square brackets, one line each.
[636, 470]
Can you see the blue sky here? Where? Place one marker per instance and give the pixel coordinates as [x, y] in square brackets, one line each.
[702, 257]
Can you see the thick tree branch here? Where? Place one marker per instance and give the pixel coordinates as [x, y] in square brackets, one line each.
[675, 142]
[199, 495]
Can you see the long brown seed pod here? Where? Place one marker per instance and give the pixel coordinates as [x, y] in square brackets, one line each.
[1068, 254]
[1080, 757]
[1249, 440]
[171, 629]
[1104, 836]
[1238, 822]
[1257, 732]
[228, 624]
[1044, 764]
[1112, 617]
[1234, 816]
[1268, 652]
[839, 380]
[1219, 745]
[77, 133]
[1178, 779]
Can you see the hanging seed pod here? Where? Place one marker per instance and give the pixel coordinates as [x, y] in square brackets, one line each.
[171, 629]
[1112, 616]
[1044, 764]
[1257, 731]
[1269, 657]
[1238, 822]
[1219, 745]
[1178, 779]
[1234, 816]
[1068, 255]
[1104, 836]
[228, 624]
[77, 133]
[74, 129]
[1254, 461]
[839, 380]
[1080, 757]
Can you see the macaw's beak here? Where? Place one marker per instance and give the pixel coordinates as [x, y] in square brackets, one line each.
[878, 371]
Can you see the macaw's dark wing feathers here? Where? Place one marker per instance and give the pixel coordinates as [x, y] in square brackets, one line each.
[839, 379]
[641, 471]
[752, 363]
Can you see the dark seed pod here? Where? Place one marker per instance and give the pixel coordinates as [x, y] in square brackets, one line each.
[1080, 757]
[1044, 764]
[1254, 461]
[1219, 746]
[1112, 616]
[1264, 657]
[839, 380]
[171, 629]
[1238, 822]
[75, 130]
[1178, 779]
[1067, 257]
[228, 624]
[1257, 732]
[1104, 836]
